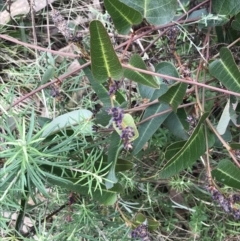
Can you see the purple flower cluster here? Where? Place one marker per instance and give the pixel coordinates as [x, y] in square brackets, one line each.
[141, 232]
[127, 135]
[127, 132]
[114, 87]
[117, 115]
[235, 198]
[227, 203]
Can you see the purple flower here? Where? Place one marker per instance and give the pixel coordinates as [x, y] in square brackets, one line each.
[235, 198]
[117, 115]
[128, 132]
[236, 214]
[127, 135]
[140, 232]
[227, 203]
[114, 87]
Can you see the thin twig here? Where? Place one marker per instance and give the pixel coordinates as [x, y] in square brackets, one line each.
[181, 80]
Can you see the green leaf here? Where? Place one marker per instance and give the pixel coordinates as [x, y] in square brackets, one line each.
[113, 152]
[102, 117]
[198, 13]
[175, 126]
[227, 173]
[49, 74]
[227, 136]
[167, 68]
[235, 146]
[190, 152]
[221, 36]
[99, 89]
[150, 93]
[77, 117]
[236, 22]
[174, 148]
[159, 92]
[226, 7]
[226, 116]
[145, 79]
[119, 98]
[156, 12]
[182, 116]
[105, 196]
[211, 138]
[105, 62]
[148, 128]
[226, 70]
[70, 180]
[176, 92]
[123, 165]
[122, 15]
[174, 95]
[42, 121]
